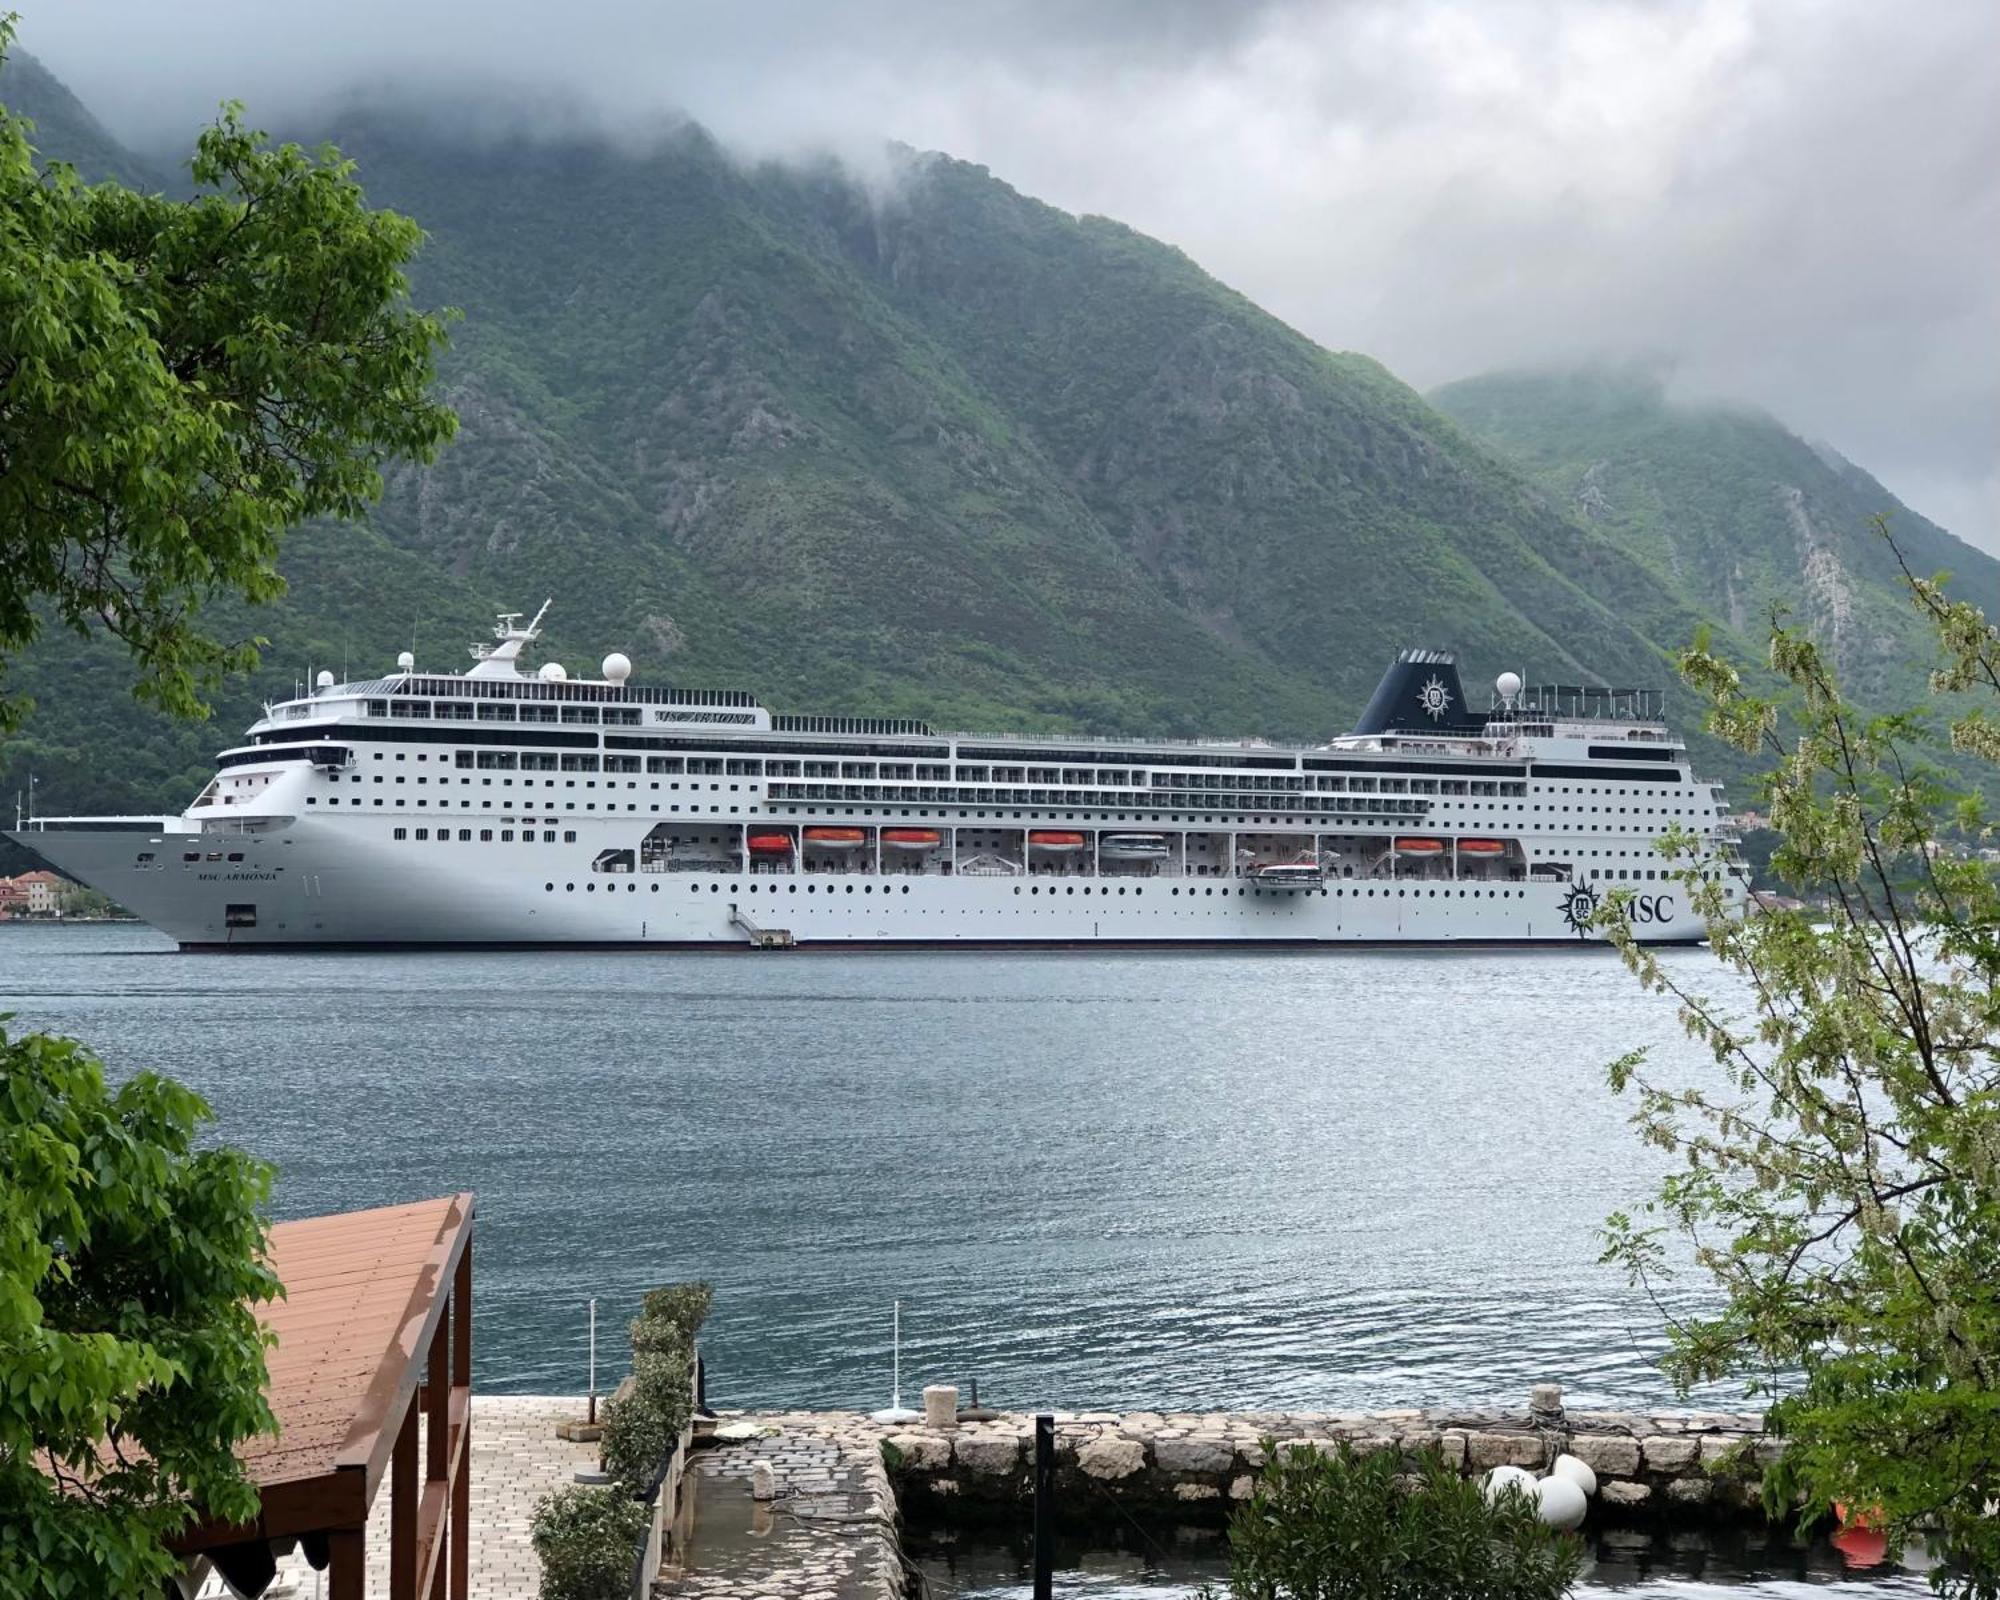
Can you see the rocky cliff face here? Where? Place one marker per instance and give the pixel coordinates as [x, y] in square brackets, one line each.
[1733, 509]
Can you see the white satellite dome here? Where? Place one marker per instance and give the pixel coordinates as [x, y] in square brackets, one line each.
[406, 661]
[324, 680]
[1507, 685]
[553, 671]
[617, 667]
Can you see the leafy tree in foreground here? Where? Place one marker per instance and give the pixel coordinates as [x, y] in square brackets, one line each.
[1335, 1525]
[1840, 1177]
[182, 381]
[131, 1361]
[179, 383]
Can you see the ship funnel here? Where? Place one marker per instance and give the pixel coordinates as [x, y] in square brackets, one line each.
[1420, 693]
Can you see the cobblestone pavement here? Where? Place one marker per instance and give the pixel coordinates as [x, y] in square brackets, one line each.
[516, 1459]
[828, 1533]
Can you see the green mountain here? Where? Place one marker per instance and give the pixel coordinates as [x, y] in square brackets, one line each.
[1731, 509]
[64, 129]
[916, 446]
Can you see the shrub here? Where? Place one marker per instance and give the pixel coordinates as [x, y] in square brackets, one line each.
[682, 1305]
[1341, 1526]
[584, 1537]
[641, 1427]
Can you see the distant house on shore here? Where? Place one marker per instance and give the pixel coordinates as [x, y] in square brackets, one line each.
[32, 894]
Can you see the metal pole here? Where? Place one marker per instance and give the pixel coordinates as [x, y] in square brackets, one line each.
[896, 1382]
[1045, 1510]
[593, 1359]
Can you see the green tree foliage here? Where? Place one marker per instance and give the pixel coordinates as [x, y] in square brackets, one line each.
[131, 1360]
[182, 381]
[1840, 1178]
[584, 1537]
[1337, 1525]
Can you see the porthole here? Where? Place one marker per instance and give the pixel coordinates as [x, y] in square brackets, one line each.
[569, 888]
[549, 887]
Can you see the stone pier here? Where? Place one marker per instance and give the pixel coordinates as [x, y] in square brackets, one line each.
[1192, 1467]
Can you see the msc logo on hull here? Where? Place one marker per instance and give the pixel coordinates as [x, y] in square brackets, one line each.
[1579, 905]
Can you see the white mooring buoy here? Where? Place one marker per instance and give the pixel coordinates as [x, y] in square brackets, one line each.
[896, 1410]
[1561, 1502]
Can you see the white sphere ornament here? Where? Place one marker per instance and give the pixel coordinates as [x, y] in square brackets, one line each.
[617, 667]
[553, 672]
[1507, 685]
[1503, 1479]
[1577, 1470]
[406, 661]
[1561, 1503]
[324, 680]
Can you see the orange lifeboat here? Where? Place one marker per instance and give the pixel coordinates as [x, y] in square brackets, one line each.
[1419, 847]
[1054, 842]
[770, 844]
[836, 838]
[911, 838]
[1479, 847]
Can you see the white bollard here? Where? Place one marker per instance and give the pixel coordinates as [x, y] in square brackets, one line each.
[941, 1405]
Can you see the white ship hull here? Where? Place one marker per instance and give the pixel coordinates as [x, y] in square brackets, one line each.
[322, 884]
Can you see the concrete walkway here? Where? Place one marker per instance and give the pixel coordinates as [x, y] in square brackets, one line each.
[516, 1459]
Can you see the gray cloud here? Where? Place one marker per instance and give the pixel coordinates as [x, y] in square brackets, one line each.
[1799, 202]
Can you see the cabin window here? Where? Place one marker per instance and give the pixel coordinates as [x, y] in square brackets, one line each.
[498, 760]
[579, 713]
[569, 836]
[538, 713]
[621, 763]
[579, 763]
[402, 833]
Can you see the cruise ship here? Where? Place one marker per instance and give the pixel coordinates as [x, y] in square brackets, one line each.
[501, 806]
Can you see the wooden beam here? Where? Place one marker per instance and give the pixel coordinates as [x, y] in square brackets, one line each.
[461, 1409]
[403, 1509]
[347, 1564]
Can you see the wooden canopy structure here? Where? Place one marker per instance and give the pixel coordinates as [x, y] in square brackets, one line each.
[374, 1332]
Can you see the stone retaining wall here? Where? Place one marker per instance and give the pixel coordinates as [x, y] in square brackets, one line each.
[1194, 1466]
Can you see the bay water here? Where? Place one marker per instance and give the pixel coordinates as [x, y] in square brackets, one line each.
[1247, 1180]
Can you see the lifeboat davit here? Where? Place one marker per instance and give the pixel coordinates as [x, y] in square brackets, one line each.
[1482, 847]
[911, 838]
[770, 844]
[836, 838]
[1419, 847]
[1055, 843]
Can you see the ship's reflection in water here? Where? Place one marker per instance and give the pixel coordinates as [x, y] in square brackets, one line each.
[1171, 1564]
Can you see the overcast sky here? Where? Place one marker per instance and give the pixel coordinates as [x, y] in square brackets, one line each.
[1796, 203]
